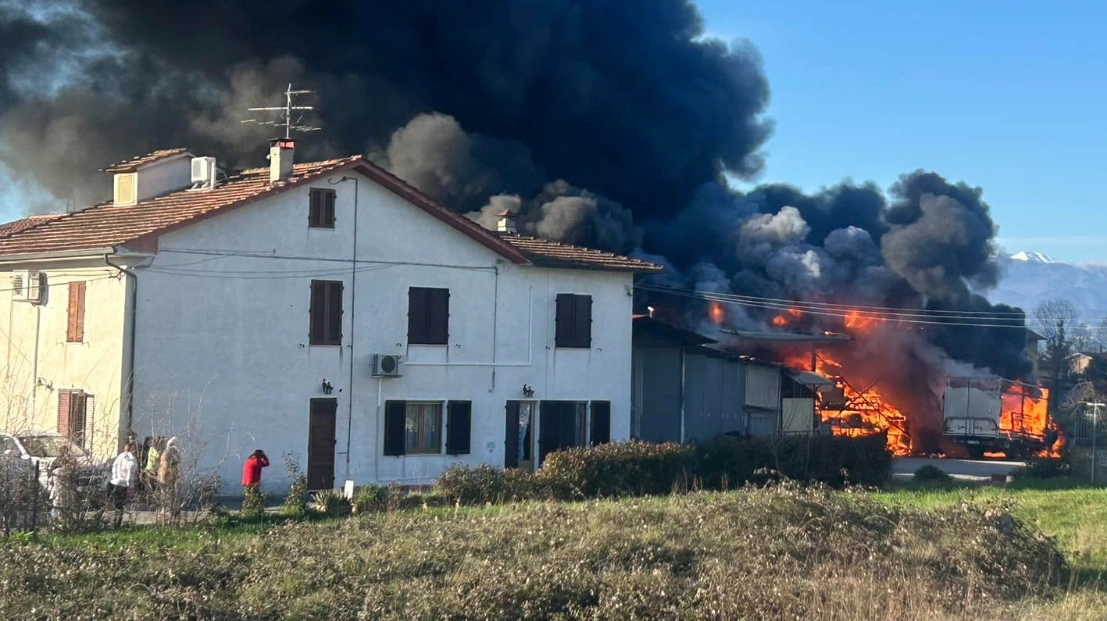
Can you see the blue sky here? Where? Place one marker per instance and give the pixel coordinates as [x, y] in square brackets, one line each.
[1009, 96]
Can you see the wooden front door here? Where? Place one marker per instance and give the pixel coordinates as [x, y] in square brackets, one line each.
[321, 441]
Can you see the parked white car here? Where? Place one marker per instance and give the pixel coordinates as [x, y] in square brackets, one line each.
[43, 449]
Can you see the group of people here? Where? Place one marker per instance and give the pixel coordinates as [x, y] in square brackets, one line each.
[160, 473]
[160, 461]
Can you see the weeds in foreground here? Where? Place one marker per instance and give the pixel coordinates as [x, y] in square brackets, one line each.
[778, 552]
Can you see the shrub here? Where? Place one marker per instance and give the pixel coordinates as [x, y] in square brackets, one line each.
[933, 474]
[619, 469]
[487, 484]
[1044, 468]
[329, 503]
[253, 504]
[295, 503]
[370, 498]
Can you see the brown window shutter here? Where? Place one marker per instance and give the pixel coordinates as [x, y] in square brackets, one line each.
[582, 316]
[314, 207]
[334, 313]
[439, 316]
[563, 317]
[459, 424]
[511, 441]
[79, 418]
[80, 312]
[328, 209]
[64, 398]
[417, 315]
[75, 331]
[601, 422]
[395, 428]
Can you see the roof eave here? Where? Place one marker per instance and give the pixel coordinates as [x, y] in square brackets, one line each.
[57, 255]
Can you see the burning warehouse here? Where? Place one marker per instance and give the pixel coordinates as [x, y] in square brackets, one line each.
[879, 374]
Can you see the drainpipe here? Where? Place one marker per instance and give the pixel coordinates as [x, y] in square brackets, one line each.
[131, 337]
[353, 326]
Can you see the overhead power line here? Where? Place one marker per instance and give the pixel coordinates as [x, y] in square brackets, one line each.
[890, 314]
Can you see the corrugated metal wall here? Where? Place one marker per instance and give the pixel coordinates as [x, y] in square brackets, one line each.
[713, 395]
[657, 393]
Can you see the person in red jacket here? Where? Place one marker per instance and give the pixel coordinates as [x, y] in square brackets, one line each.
[251, 471]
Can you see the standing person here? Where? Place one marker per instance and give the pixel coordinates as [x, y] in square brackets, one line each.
[169, 471]
[251, 471]
[153, 460]
[124, 477]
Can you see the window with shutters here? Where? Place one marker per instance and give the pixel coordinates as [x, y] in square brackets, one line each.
[74, 414]
[321, 208]
[574, 321]
[428, 316]
[416, 428]
[75, 333]
[326, 312]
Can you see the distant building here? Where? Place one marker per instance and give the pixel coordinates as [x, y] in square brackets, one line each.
[686, 389]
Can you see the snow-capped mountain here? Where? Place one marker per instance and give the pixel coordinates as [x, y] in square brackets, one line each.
[1031, 256]
[1029, 278]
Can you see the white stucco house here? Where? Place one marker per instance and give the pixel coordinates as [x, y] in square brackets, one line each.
[325, 310]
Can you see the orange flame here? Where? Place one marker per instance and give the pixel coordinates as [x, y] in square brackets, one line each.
[715, 313]
[787, 318]
[849, 412]
[1025, 415]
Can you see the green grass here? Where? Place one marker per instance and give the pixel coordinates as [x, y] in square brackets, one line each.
[1071, 511]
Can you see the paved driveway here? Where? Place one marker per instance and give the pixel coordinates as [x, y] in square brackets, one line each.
[964, 469]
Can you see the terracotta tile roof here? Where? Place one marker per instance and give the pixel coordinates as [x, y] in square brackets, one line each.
[108, 225]
[11, 228]
[138, 226]
[135, 163]
[545, 253]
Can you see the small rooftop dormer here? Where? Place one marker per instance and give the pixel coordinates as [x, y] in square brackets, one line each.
[150, 175]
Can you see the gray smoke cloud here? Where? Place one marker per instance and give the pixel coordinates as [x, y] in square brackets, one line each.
[609, 124]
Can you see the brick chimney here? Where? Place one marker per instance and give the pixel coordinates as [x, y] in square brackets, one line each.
[280, 159]
[506, 223]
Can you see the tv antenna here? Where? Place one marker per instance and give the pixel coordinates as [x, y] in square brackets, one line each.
[287, 110]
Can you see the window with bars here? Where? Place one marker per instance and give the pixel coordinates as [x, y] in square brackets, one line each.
[75, 332]
[321, 208]
[326, 313]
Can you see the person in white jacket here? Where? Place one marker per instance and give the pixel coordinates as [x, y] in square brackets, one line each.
[124, 476]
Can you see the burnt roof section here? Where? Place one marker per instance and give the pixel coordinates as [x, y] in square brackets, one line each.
[139, 161]
[647, 324]
[546, 253]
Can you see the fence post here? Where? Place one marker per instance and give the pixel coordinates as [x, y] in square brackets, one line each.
[34, 497]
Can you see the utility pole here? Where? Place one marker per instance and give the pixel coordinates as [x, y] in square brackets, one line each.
[1095, 423]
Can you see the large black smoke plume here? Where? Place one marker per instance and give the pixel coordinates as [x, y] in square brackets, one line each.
[613, 124]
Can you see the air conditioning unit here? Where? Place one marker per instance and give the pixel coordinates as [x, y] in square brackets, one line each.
[27, 286]
[387, 365]
[203, 171]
